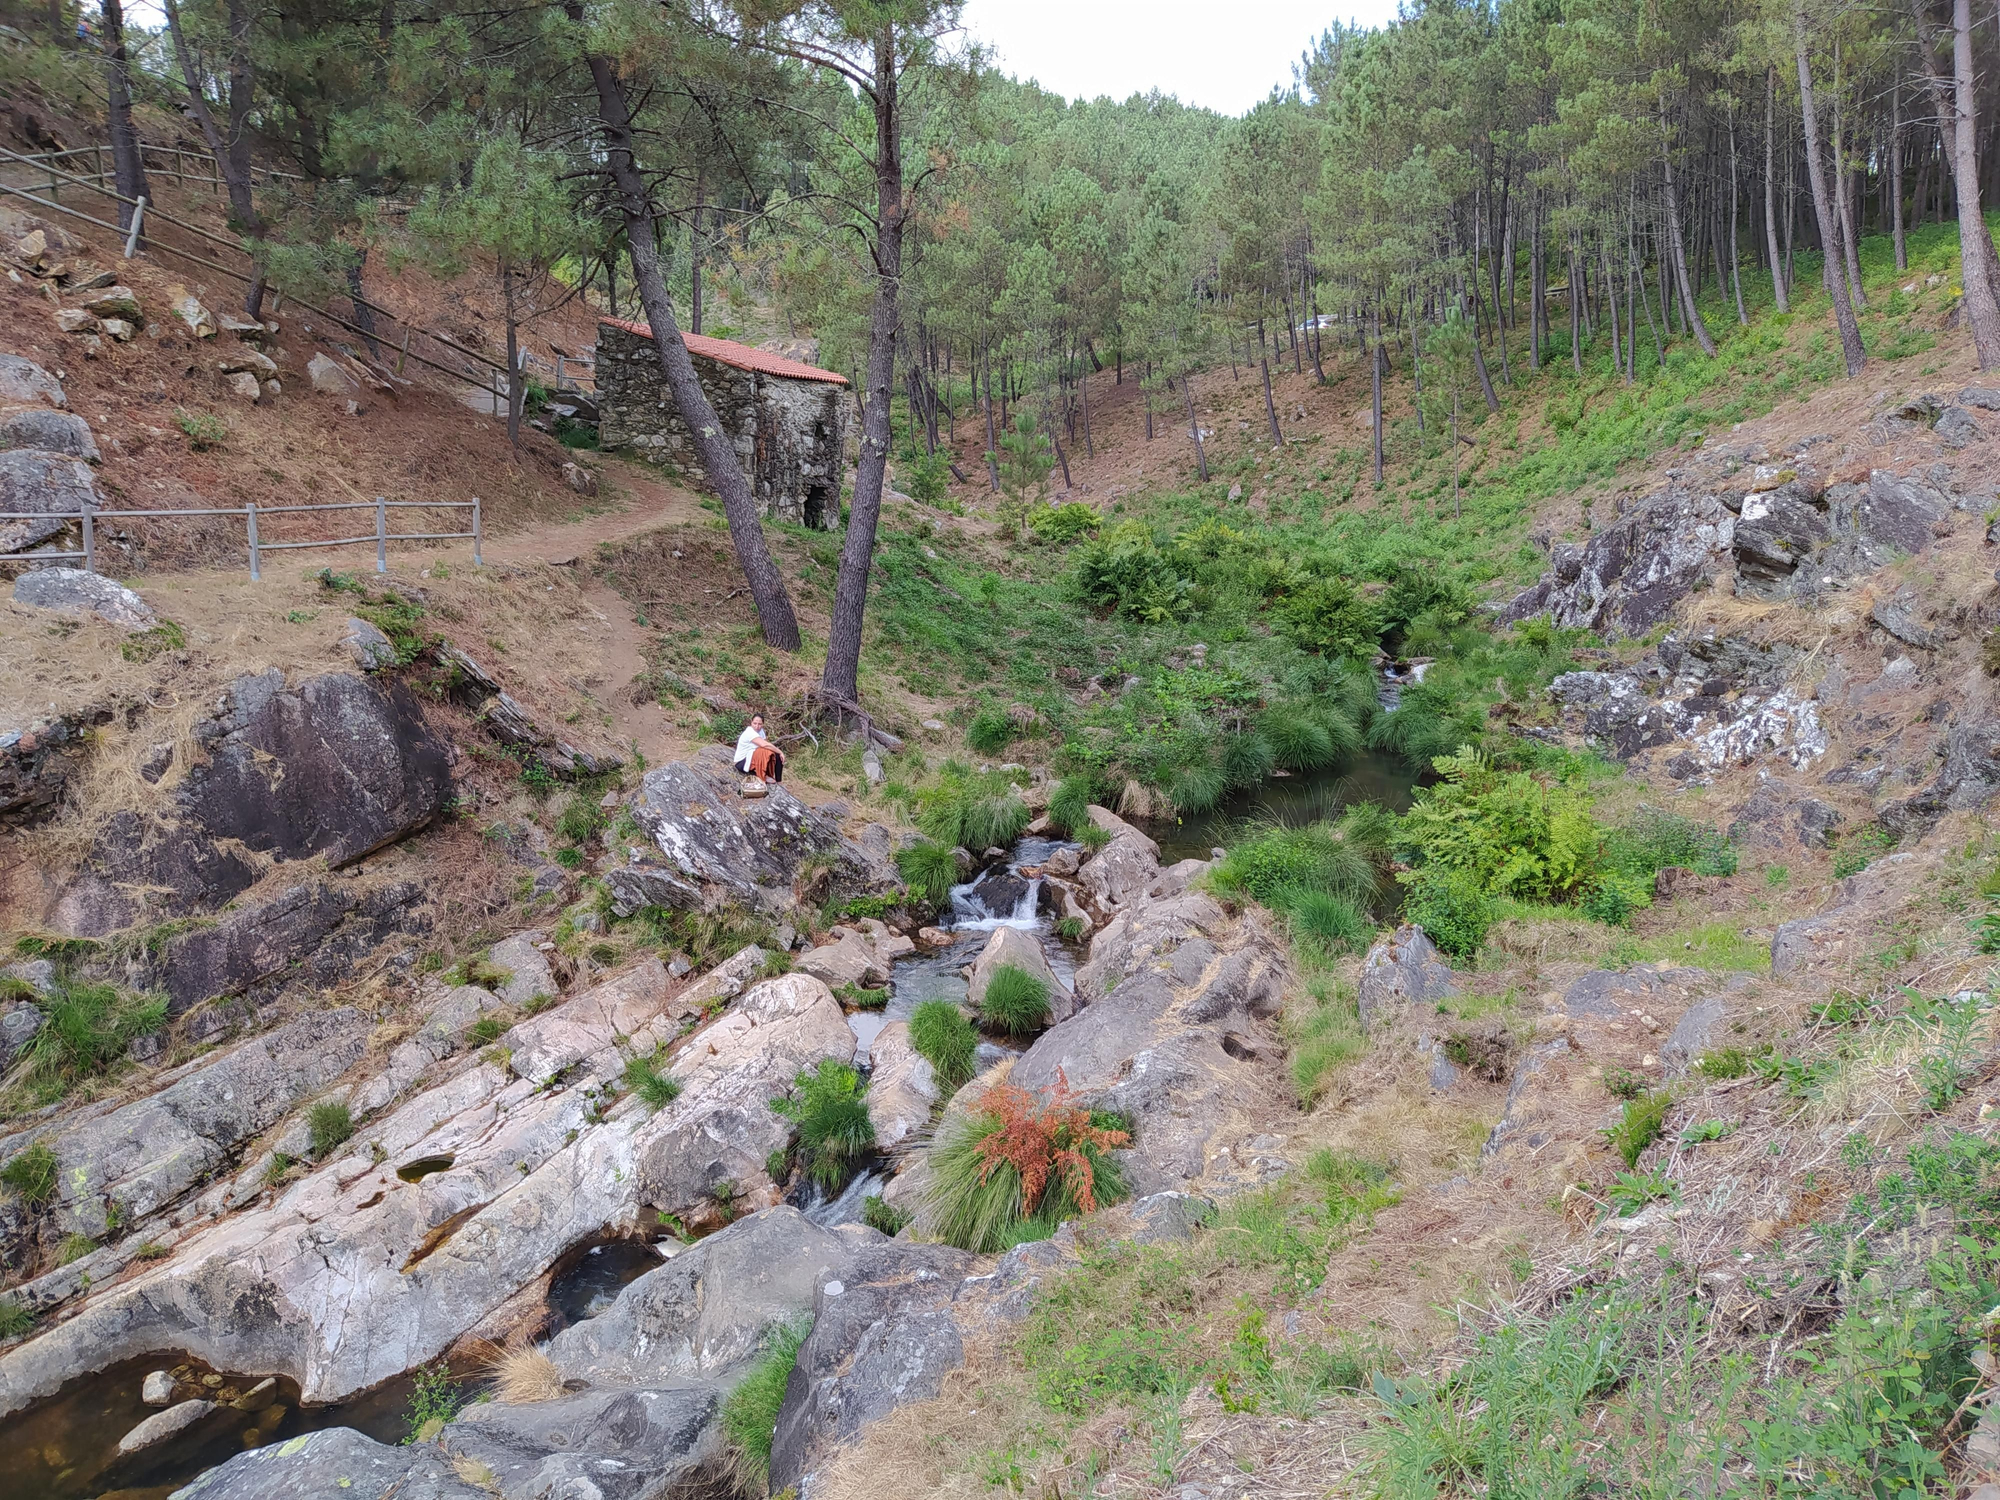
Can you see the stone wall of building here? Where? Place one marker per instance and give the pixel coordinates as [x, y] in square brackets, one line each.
[790, 434]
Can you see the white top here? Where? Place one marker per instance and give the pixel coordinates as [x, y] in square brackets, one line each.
[747, 741]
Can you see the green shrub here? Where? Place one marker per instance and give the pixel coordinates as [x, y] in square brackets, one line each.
[74, 1247]
[32, 1174]
[973, 811]
[15, 1320]
[86, 1029]
[147, 644]
[202, 430]
[1453, 911]
[486, 1029]
[1069, 804]
[879, 1215]
[1639, 1125]
[1016, 1002]
[1060, 525]
[656, 1090]
[929, 870]
[435, 1398]
[1327, 858]
[1512, 833]
[330, 1123]
[1197, 788]
[1322, 1030]
[1653, 840]
[1724, 1063]
[1612, 898]
[829, 1104]
[1325, 921]
[750, 1415]
[1092, 835]
[990, 731]
[945, 1039]
[1247, 759]
[1331, 617]
[985, 1166]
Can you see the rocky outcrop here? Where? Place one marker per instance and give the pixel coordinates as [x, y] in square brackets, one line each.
[1968, 781]
[1724, 702]
[711, 847]
[902, 1088]
[512, 724]
[39, 760]
[359, 1271]
[332, 769]
[1627, 579]
[51, 431]
[126, 1165]
[1402, 970]
[1123, 869]
[71, 591]
[1174, 1030]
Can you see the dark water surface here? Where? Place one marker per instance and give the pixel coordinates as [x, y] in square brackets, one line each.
[1365, 777]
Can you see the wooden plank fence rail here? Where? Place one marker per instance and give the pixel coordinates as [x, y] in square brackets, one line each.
[250, 514]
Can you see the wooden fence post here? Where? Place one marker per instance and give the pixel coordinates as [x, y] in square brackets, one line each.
[381, 534]
[89, 542]
[250, 517]
[477, 560]
[138, 220]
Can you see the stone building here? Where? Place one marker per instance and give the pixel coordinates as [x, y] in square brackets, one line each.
[787, 419]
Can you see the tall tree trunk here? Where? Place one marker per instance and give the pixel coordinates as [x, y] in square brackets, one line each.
[841, 679]
[1611, 304]
[1976, 254]
[718, 454]
[1735, 257]
[1674, 251]
[1843, 197]
[515, 390]
[992, 438]
[1896, 173]
[1083, 392]
[1778, 291]
[1575, 313]
[364, 314]
[1270, 406]
[1375, 383]
[128, 167]
[1836, 272]
[1535, 293]
[1194, 423]
[231, 150]
[694, 252]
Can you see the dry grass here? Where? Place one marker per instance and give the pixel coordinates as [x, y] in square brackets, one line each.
[475, 1473]
[523, 1373]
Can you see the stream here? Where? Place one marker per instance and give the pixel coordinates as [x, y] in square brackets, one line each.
[1367, 776]
[999, 896]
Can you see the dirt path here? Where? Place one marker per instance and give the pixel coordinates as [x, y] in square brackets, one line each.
[637, 498]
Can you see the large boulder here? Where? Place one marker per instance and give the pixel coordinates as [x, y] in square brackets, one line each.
[1402, 970]
[335, 1461]
[526, 966]
[1123, 869]
[902, 1087]
[52, 489]
[335, 768]
[717, 847]
[1174, 1030]
[883, 1336]
[1628, 577]
[51, 431]
[332, 769]
[596, 1444]
[71, 591]
[1022, 950]
[24, 382]
[709, 1309]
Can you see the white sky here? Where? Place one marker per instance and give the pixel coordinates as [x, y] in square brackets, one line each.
[1224, 56]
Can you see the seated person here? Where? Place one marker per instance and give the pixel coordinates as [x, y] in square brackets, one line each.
[756, 755]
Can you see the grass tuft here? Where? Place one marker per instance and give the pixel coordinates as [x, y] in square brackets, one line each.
[750, 1415]
[945, 1039]
[1016, 1002]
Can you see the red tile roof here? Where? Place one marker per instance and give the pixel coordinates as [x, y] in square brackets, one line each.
[742, 356]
